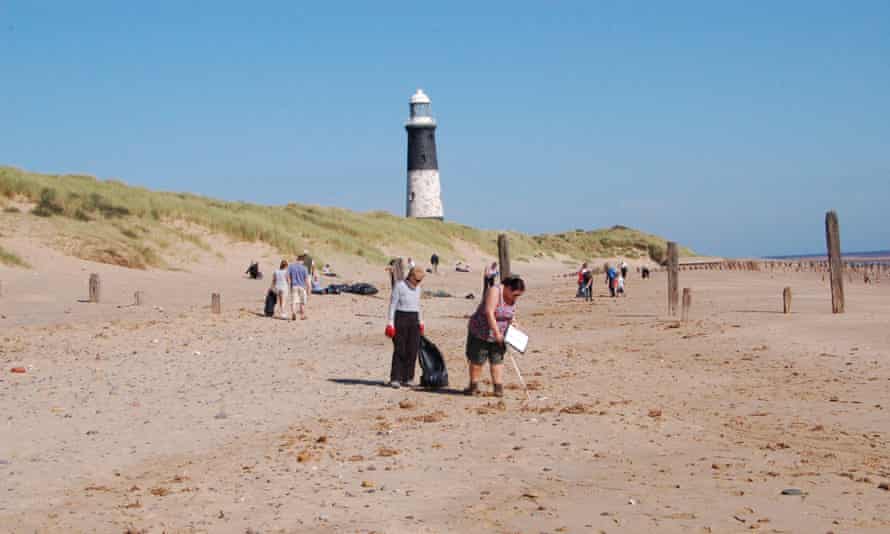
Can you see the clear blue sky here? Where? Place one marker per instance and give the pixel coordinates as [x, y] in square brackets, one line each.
[728, 126]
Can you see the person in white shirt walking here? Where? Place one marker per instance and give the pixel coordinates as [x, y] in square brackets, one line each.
[405, 327]
[280, 286]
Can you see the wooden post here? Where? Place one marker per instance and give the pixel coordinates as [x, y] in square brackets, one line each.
[673, 281]
[215, 304]
[687, 303]
[396, 271]
[140, 297]
[835, 263]
[504, 255]
[95, 287]
[786, 300]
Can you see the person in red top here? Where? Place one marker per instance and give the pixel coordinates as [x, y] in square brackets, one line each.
[582, 280]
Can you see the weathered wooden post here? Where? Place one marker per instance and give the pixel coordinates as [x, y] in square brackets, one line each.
[786, 300]
[673, 278]
[835, 264]
[687, 303]
[140, 297]
[504, 255]
[396, 271]
[95, 288]
[215, 304]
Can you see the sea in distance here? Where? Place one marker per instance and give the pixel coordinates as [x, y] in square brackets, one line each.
[880, 257]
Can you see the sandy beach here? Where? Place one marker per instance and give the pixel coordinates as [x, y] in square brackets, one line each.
[166, 418]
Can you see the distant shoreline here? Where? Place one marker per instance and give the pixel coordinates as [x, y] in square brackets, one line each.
[877, 256]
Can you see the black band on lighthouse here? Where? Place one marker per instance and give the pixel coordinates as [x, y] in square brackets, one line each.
[422, 148]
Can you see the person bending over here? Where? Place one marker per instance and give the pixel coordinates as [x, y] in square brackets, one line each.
[486, 330]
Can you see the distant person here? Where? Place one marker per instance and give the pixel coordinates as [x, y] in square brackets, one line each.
[327, 270]
[623, 269]
[486, 330]
[491, 274]
[307, 262]
[253, 271]
[316, 284]
[644, 272]
[581, 281]
[405, 326]
[298, 277]
[620, 285]
[588, 285]
[434, 261]
[280, 286]
[611, 276]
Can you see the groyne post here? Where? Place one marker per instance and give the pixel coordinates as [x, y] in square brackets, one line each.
[835, 263]
[673, 277]
[504, 255]
[95, 288]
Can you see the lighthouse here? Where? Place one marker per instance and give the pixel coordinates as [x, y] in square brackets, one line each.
[424, 192]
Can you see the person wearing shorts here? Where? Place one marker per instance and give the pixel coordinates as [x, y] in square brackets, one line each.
[486, 330]
[280, 286]
[298, 277]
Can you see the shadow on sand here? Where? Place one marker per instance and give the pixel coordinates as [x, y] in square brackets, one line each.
[382, 384]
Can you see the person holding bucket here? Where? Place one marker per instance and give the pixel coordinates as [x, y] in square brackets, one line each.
[405, 326]
[486, 330]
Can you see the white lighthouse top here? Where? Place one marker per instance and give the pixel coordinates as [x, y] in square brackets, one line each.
[421, 114]
[420, 97]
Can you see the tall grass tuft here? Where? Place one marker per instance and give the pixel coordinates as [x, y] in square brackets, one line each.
[8, 258]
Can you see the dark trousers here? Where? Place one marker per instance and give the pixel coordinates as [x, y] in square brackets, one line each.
[406, 344]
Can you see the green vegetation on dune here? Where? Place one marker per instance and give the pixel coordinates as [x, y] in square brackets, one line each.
[8, 258]
[612, 242]
[116, 223]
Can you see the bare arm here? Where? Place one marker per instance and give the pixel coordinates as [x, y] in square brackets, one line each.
[492, 296]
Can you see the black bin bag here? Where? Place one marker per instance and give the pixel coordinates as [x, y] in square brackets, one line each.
[435, 375]
[271, 301]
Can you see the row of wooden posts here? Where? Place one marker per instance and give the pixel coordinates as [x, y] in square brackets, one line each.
[835, 266]
[95, 289]
[868, 271]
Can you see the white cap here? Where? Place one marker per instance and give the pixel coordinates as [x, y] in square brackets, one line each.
[420, 97]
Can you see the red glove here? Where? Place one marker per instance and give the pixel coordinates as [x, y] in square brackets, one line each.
[421, 329]
[390, 331]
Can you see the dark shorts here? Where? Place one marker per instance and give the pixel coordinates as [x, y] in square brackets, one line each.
[480, 351]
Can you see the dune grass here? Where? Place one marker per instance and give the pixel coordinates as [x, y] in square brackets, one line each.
[10, 259]
[132, 226]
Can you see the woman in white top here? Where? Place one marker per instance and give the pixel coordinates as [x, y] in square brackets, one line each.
[280, 286]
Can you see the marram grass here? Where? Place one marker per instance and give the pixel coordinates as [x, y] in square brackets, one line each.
[127, 225]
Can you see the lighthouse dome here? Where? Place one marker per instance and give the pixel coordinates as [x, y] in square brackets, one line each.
[420, 97]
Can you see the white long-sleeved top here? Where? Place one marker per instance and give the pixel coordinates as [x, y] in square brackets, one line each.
[404, 298]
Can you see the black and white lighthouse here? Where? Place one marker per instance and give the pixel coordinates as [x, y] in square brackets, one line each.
[424, 190]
